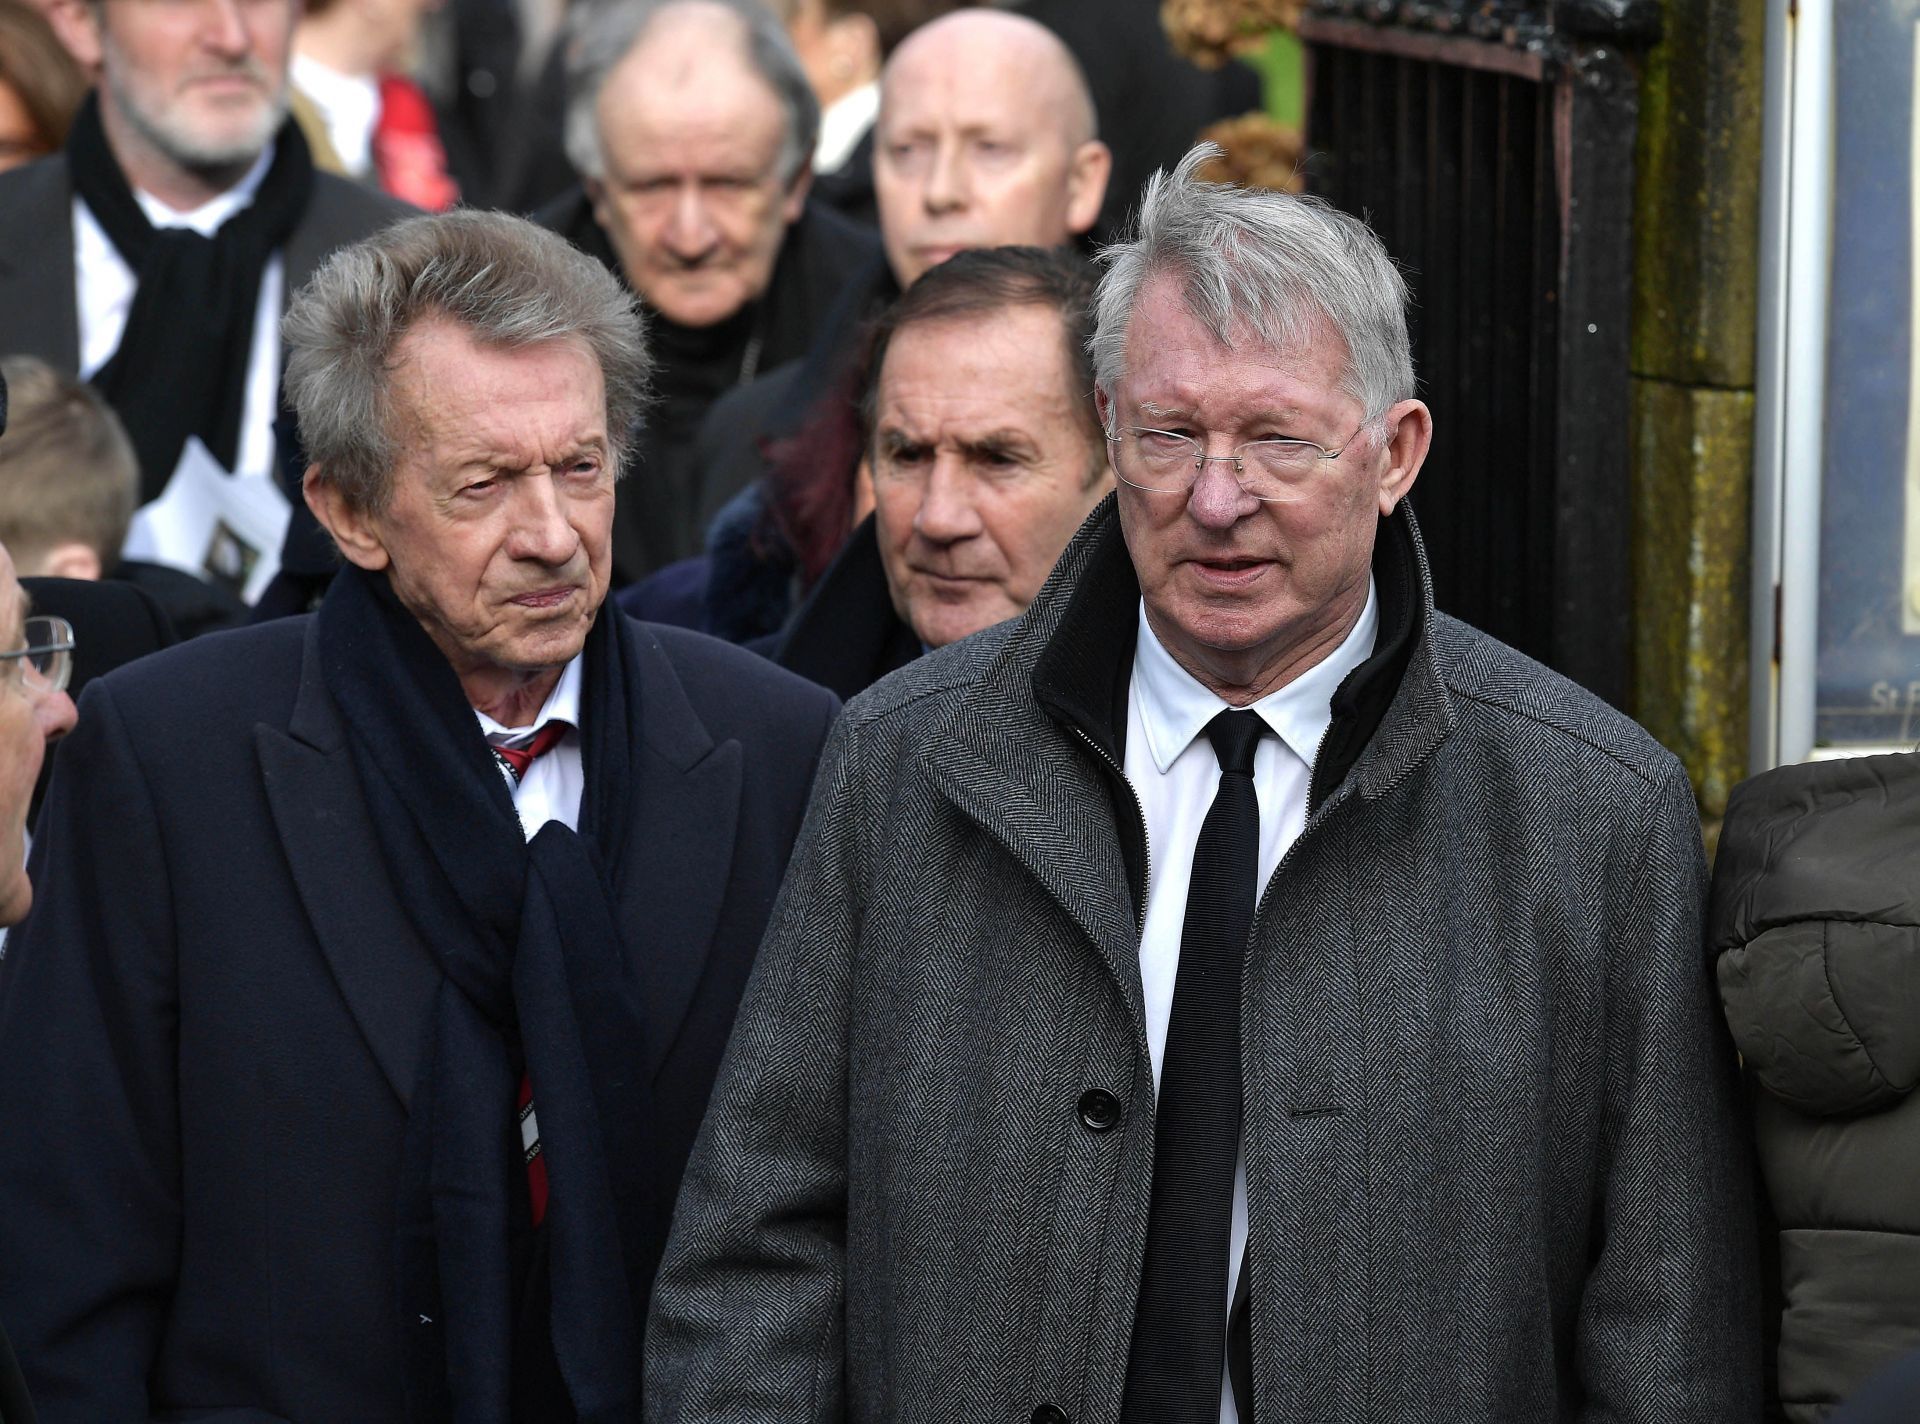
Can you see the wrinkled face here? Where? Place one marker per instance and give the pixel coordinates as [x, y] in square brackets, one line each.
[497, 536]
[1236, 587]
[203, 82]
[30, 717]
[964, 157]
[981, 470]
[692, 197]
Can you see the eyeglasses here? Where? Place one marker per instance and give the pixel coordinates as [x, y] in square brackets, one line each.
[1273, 470]
[45, 664]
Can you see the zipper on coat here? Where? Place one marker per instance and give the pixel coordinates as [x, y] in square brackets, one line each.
[1140, 819]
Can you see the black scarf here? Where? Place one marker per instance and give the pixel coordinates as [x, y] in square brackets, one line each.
[535, 975]
[181, 368]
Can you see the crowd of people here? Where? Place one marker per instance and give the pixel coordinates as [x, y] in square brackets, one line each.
[765, 739]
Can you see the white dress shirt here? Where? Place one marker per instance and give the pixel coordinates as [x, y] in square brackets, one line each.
[843, 123]
[103, 290]
[551, 789]
[348, 104]
[1175, 772]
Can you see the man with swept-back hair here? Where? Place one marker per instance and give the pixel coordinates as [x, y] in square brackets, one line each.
[1232, 990]
[983, 453]
[383, 957]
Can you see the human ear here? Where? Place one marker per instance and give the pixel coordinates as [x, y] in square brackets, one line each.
[355, 533]
[795, 200]
[71, 559]
[77, 23]
[1087, 174]
[1409, 434]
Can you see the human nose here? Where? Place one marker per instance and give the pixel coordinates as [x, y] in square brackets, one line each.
[223, 27]
[947, 513]
[54, 713]
[947, 186]
[690, 232]
[541, 529]
[1217, 499]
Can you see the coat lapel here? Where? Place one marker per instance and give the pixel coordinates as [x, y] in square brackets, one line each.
[1032, 796]
[387, 976]
[678, 862]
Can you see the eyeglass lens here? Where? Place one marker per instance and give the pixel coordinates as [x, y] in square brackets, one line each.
[48, 658]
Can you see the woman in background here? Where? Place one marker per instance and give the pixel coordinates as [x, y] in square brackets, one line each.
[40, 86]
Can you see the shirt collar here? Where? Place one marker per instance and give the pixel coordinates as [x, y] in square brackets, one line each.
[841, 124]
[206, 218]
[1175, 708]
[563, 702]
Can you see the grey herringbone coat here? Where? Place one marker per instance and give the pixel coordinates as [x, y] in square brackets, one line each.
[1495, 1169]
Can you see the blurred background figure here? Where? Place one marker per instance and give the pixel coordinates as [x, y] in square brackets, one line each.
[692, 126]
[984, 139]
[987, 138]
[153, 253]
[68, 477]
[68, 483]
[361, 110]
[843, 44]
[1152, 103]
[1815, 923]
[984, 454]
[41, 86]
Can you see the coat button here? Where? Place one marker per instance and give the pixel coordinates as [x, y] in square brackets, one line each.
[1049, 1414]
[1099, 1110]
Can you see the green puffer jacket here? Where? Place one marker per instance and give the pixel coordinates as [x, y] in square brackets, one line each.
[1815, 926]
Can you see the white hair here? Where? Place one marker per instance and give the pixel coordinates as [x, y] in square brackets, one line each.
[1285, 267]
[601, 33]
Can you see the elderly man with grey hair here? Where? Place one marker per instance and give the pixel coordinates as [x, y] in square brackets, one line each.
[383, 958]
[1233, 990]
[692, 126]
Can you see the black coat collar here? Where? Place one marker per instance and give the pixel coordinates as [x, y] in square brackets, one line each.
[1083, 672]
[847, 636]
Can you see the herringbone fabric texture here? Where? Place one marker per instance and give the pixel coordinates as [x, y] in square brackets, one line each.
[1494, 1167]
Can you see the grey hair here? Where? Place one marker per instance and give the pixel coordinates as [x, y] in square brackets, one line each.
[509, 283]
[1284, 265]
[604, 32]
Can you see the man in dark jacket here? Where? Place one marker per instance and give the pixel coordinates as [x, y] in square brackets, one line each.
[1232, 990]
[384, 957]
[987, 139]
[984, 452]
[692, 125]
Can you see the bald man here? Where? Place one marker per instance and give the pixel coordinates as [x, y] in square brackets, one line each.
[691, 124]
[985, 139]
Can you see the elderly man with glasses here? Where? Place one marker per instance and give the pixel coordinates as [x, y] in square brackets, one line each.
[36, 656]
[1232, 990]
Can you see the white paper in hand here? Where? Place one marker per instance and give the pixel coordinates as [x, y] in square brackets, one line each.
[225, 528]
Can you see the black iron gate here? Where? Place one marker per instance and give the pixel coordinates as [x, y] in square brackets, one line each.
[1491, 146]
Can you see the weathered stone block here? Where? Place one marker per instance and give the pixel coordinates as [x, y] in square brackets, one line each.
[1697, 209]
[1692, 483]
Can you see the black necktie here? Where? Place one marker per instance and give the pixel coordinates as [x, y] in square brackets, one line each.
[1179, 1331]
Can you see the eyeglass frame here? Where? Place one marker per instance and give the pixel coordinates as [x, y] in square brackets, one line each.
[60, 631]
[1235, 457]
